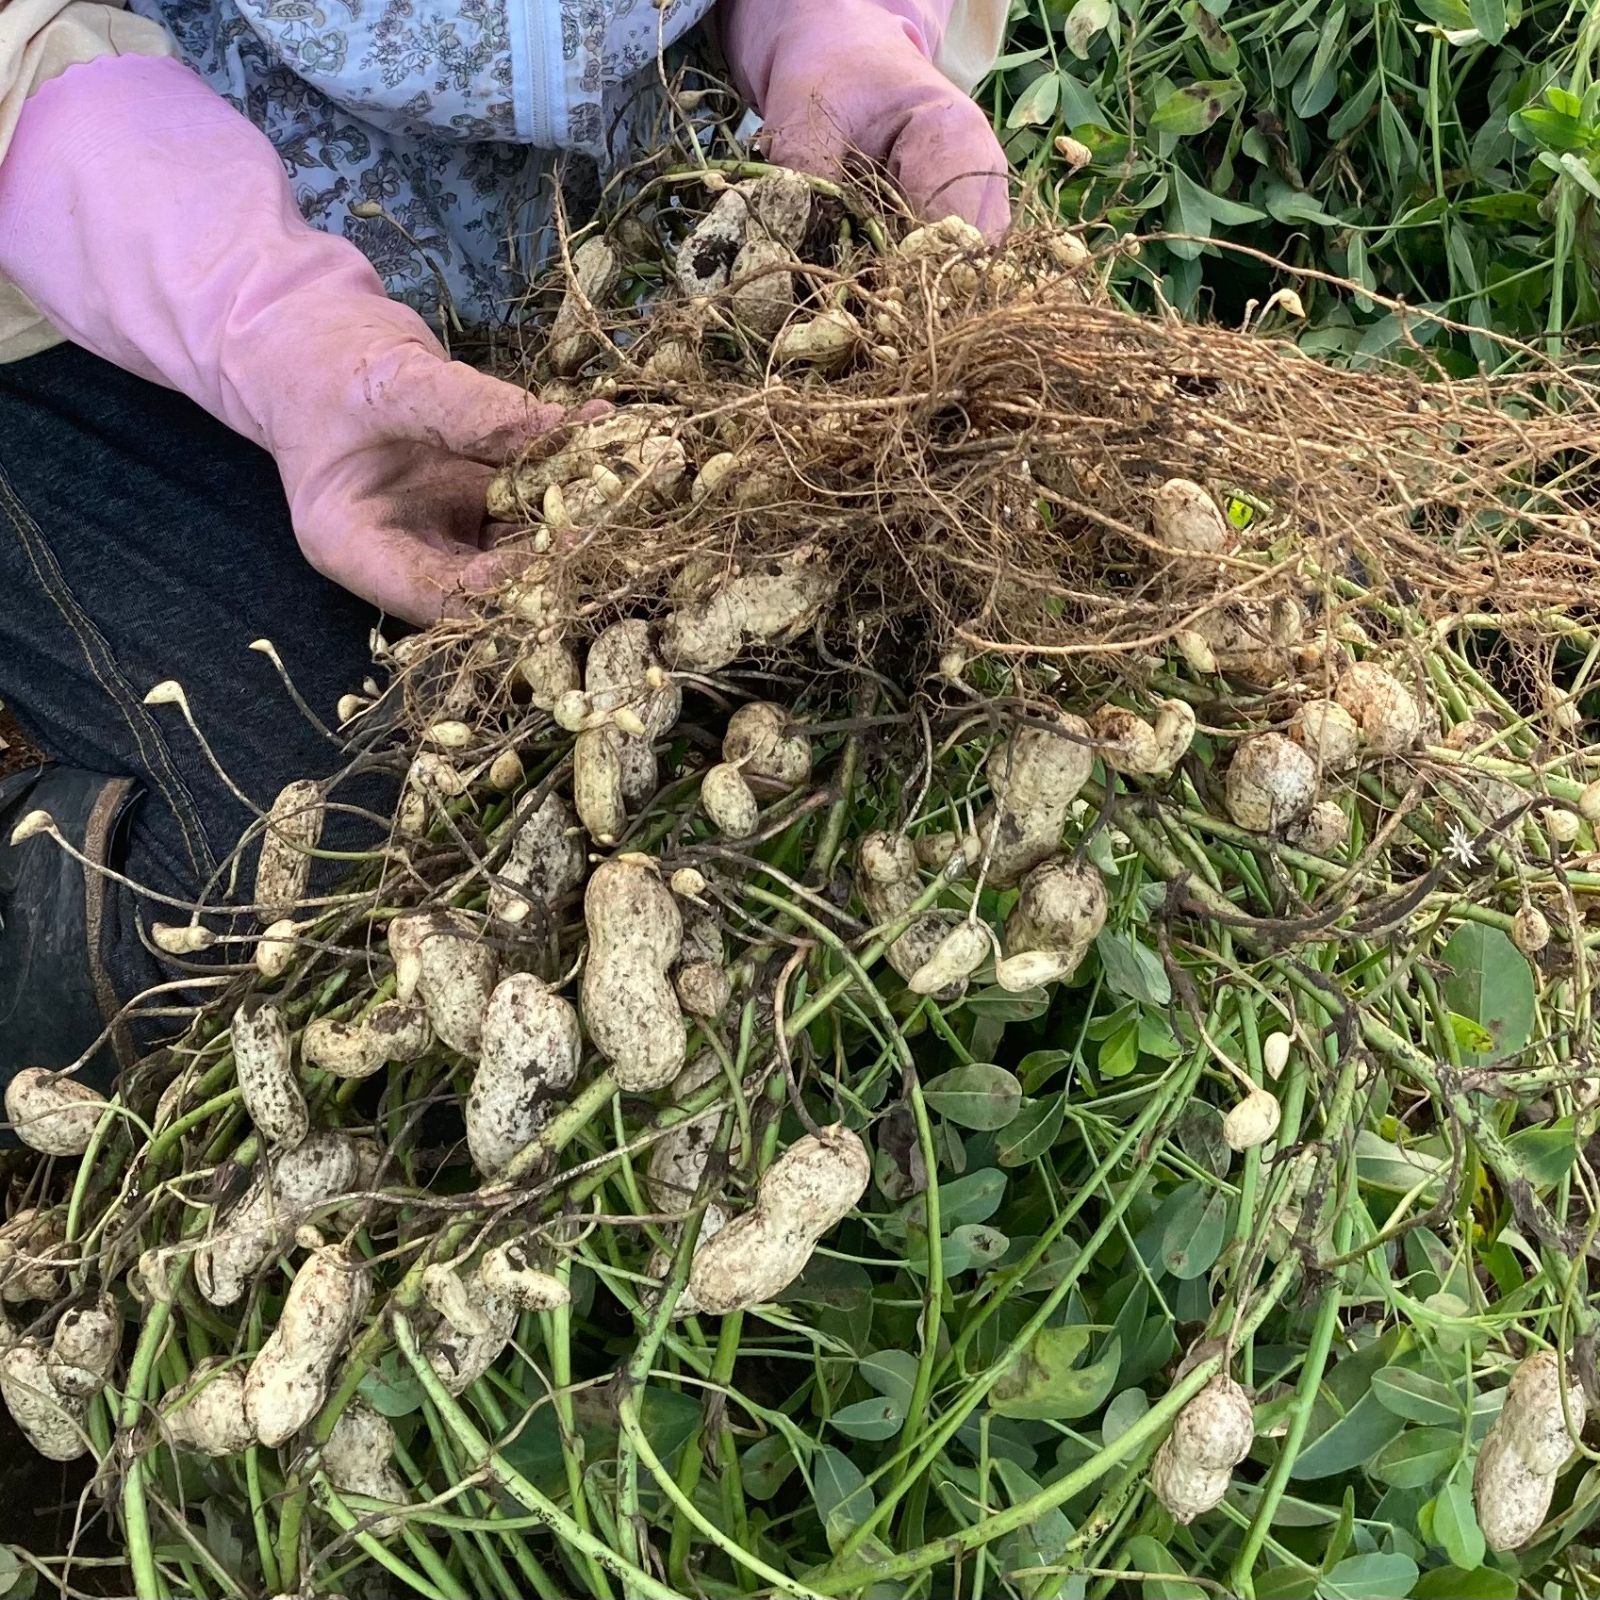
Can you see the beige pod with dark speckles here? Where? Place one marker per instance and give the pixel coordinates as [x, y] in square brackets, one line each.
[288, 1380]
[294, 825]
[629, 1006]
[809, 1189]
[51, 1422]
[241, 1241]
[83, 1348]
[531, 1049]
[52, 1112]
[207, 1413]
[457, 972]
[261, 1057]
[359, 1459]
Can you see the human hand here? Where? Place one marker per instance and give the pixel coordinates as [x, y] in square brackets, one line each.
[110, 223]
[387, 477]
[835, 78]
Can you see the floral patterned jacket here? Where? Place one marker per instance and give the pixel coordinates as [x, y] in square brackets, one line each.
[449, 114]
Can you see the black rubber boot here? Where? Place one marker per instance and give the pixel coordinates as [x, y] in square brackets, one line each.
[57, 926]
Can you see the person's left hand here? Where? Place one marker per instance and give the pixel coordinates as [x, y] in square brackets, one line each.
[837, 78]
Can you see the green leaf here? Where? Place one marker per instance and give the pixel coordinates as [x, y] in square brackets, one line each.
[893, 1373]
[974, 1198]
[1041, 1542]
[1547, 1153]
[840, 1491]
[1351, 1441]
[1285, 1583]
[765, 1467]
[1000, 1005]
[878, 1418]
[1228, 213]
[1039, 1066]
[1144, 1554]
[1381, 1165]
[1221, 51]
[1084, 21]
[1417, 1459]
[1187, 212]
[1456, 1583]
[18, 1580]
[978, 1095]
[1581, 173]
[1042, 1383]
[1034, 1130]
[1133, 969]
[1489, 18]
[1119, 1055]
[1455, 1523]
[391, 1392]
[971, 1245]
[1125, 1409]
[1194, 107]
[1194, 1237]
[1037, 103]
[1373, 1576]
[1290, 206]
[1492, 984]
[1416, 1397]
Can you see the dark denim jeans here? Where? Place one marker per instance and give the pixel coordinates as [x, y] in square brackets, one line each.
[139, 541]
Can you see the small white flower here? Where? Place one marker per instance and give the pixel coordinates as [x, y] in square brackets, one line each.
[1460, 847]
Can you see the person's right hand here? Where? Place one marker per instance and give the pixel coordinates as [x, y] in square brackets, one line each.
[154, 225]
[837, 78]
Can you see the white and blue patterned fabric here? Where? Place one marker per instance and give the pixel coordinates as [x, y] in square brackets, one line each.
[449, 114]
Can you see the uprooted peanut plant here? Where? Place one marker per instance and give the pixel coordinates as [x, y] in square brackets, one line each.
[980, 984]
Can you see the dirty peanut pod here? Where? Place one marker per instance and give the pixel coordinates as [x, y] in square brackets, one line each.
[50, 1421]
[83, 1348]
[28, 1242]
[1185, 518]
[357, 1048]
[1185, 1489]
[1253, 1121]
[629, 1006]
[267, 1084]
[294, 825]
[728, 803]
[957, 956]
[456, 974]
[1381, 706]
[546, 861]
[1511, 1499]
[288, 1380]
[1327, 733]
[812, 1186]
[207, 1413]
[764, 606]
[762, 742]
[359, 1459]
[1216, 1428]
[51, 1112]
[1530, 930]
[242, 1240]
[532, 1045]
[1058, 915]
[1271, 783]
[1533, 1418]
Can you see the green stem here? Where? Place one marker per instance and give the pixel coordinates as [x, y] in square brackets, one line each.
[639, 1584]
[147, 1582]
